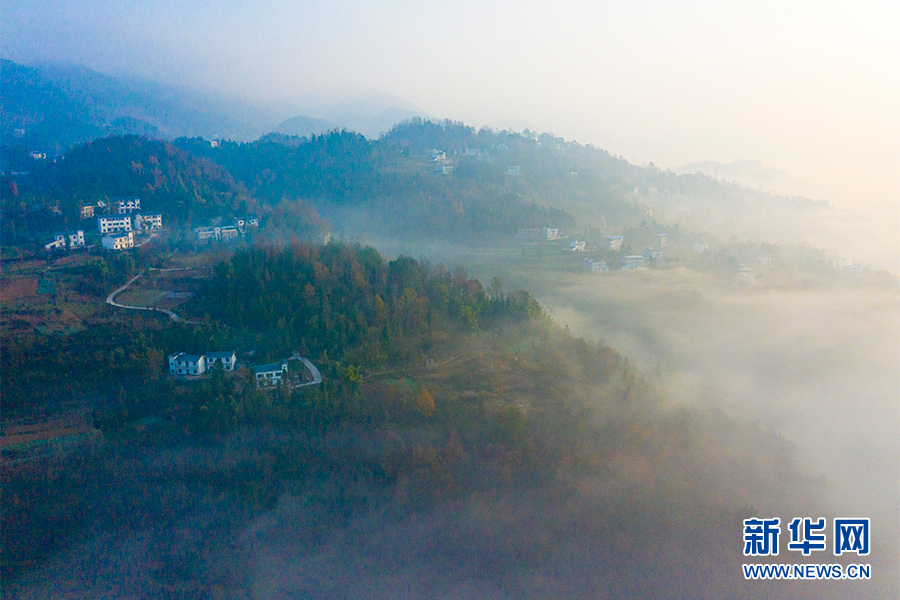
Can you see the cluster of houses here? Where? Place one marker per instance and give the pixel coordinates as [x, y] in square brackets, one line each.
[195, 365]
[225, 233]
[116, 228]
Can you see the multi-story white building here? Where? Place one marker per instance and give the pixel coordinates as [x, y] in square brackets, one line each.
[549, 233]
[58, 243]
[220, 234]
[228, 360]
[127, 205]
[271, 374]
[114, 223]
[614, 242]
[148, 222]
[633, 261]
[119, 241]
[181, 363]
[243, 222]
[73, 239]
[594, 266]
[651, 254]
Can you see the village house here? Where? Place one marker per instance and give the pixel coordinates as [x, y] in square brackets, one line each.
[219, 234]
[549, 233]
[271, 374]
[58, 243]
[528, 233]
[87, 212]
[243, 222]
[151, 222]
[614, 242]
[182, 363]
[651, 254]
[633, 261]
[577, 246]
[699, 247]
[127, 205]
[594, 266]
[118, 241]
[662, 239]
[514, 170]
[227, 359]
[113, 224]
[75, 240]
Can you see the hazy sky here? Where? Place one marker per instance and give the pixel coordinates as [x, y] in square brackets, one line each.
[809, 87]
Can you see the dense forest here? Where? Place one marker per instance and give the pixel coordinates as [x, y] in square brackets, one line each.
[438, 395]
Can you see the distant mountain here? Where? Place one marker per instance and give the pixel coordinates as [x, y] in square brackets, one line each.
[373, 113]
[305, 126]
[53, 107]
[753, 174]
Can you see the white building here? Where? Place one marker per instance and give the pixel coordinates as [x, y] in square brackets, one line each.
[576, 246]
[114, 223]
[219, 234]
[271, 374]
[633, 261]
[243, 222]
[127, 205]
[651, 254]
[148, 222]
[58, 243]
[514, 170]
[699, 247]
[181, 363]
[119, 241]
[594, 266]
[614, 242]
[549, 233]
[74, 239]
[662, 239]
[87, 212]
[228, 360]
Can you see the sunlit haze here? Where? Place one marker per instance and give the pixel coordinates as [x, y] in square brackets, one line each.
[810, 88]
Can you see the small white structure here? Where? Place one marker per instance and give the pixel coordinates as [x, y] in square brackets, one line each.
[577, 246]
[181, 363]
[119, 241]
[594, 266]
[549, 233]
[74, 239]
[243, 222]
[228, 360]
[651, 254]
[271, 374]
[763, 259]
[699, 247]
[614, 242]
[151, 222]
[112, 224]
[58, 243]
[514, 170]
[633, 261]
[662, 239]
[87, 212]
[127, 205]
